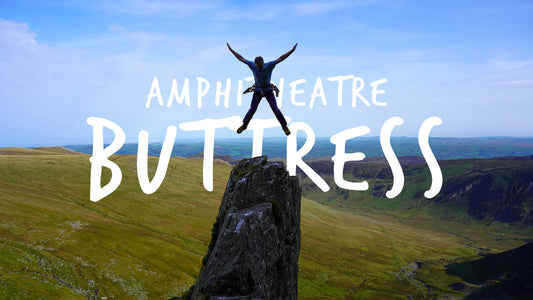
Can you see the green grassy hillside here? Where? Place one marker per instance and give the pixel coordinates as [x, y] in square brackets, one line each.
[56, 243]
[489, 190]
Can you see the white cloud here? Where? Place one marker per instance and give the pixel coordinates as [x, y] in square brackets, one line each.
[48, 91]
[318, 8]
[501, 63]
[271, 11]
[15, 37]
[141, 38]
[175, 9]
[262, 12]
[524, 82]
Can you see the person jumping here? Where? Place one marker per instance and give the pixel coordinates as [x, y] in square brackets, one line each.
[262, 87]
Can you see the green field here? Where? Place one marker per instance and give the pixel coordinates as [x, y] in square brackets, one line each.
[56, 243]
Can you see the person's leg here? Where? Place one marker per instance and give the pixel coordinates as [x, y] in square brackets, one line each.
[253, 107]
[256, 98]
[281, 119]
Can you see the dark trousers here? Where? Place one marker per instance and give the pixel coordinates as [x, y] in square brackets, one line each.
[271, 101]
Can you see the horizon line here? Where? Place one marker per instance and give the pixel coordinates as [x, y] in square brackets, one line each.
[247, 139]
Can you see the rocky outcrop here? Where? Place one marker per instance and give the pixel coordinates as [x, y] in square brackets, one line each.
[255, 241]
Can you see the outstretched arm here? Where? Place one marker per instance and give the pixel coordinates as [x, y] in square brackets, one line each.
[237, 55]
[284, 56]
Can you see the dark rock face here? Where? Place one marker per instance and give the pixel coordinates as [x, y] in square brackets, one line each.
[504, 194]
[505, 275]
[255, 241]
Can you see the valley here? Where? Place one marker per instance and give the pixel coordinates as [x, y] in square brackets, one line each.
[56, 243]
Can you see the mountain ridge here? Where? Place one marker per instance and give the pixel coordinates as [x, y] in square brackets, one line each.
[483, 189]
[444, 148]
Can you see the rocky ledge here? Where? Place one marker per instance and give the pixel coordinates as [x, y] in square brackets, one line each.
[255, 241]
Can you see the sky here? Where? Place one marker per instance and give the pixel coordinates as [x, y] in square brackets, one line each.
[469, 63]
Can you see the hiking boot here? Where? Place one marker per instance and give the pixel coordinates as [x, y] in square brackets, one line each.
[286, 130]
[242, 128]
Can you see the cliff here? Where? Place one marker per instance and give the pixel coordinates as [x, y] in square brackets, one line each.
[255, 242]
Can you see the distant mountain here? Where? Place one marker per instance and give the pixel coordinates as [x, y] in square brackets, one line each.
[491, 190]
[37, 151]
[444, 148]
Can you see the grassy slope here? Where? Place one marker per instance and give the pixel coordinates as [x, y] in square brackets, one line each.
[56, 243]
[452, 202]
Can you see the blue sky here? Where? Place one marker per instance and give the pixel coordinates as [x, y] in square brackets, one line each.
[468, 62]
